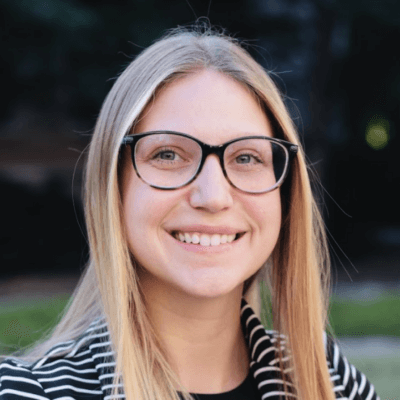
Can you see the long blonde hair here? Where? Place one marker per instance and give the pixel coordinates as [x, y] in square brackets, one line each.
[298, 276]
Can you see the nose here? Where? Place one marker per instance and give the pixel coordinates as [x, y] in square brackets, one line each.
[210, 190]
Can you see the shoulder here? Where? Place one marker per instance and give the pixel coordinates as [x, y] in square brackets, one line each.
[349, 382]
[67, 370]
[265, 346]
[17, 381]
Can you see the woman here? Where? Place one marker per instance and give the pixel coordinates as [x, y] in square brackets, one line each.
[196, 190]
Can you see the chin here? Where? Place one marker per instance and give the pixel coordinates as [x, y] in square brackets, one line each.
[212, 288]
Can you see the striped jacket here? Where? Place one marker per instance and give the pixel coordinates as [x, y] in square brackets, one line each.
[87, 370]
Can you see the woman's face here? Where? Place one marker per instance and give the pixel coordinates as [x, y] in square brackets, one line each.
[215, 109]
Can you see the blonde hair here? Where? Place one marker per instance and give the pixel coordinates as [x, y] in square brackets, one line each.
[298, 277]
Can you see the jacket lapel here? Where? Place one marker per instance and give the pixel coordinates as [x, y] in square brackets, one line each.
[264, 364]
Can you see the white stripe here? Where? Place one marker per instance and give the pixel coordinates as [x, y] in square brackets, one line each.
[9, 366]
[95, 345]
[250, 319]
[105, 387]
[371, 392]
[93, 328]
[86, 339]
[79, 371]
[102, 365]
[336, 356]
[269, 381]
[109, 353]
[78, 354]
[362, 384]
[20, 363]
[118, 396]
[262, 339]
[275, 393]
[19, 379]
[85, 361]
[266, 351]
[64, 398]
[75, 378]
[265, 369]
[246, 307]
[353, 371]
[276, 335]
[346, 372]
[68, 342]
[277, 360]
[52, 352]
[335, 378]
[23, 394]
[104, 376]
[353, 391]
[275, 339]
[75, 389]
[255, 329]
[338, 388]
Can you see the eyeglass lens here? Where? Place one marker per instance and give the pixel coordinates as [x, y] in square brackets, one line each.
[170, 161]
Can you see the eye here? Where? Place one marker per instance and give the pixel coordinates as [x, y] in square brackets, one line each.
[246, 158]
[167, 155]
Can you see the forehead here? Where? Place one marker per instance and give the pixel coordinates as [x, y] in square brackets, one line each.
[208, 105]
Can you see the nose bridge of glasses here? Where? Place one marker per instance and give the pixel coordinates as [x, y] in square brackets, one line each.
[216, 153]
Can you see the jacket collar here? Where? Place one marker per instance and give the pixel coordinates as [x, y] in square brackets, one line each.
[264, 361]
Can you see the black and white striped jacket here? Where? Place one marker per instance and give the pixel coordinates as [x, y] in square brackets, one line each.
[87, 370]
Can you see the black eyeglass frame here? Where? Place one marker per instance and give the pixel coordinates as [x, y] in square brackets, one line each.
[207, 149]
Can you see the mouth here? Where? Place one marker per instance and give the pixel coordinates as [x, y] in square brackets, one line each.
[175, 235]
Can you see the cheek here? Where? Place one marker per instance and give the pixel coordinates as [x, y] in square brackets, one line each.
[138, 210]
[144, 211]
[266, 212]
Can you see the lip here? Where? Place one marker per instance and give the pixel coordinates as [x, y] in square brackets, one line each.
[222, 229]
[197, 248]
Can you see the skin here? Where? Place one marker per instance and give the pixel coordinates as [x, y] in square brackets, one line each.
[193, 299]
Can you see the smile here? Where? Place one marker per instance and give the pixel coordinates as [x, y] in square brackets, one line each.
[205, 240]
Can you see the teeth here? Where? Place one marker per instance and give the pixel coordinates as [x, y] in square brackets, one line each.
[195, 238]
[188, 238]
[204, 239]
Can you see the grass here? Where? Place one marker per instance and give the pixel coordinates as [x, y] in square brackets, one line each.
[379, 317]
[23, 323]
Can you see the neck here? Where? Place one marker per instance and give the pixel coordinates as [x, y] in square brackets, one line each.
[202, 337]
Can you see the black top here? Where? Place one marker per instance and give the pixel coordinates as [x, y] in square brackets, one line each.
[247, 390]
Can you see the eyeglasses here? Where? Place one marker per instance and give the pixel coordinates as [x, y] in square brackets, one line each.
[170, 160]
